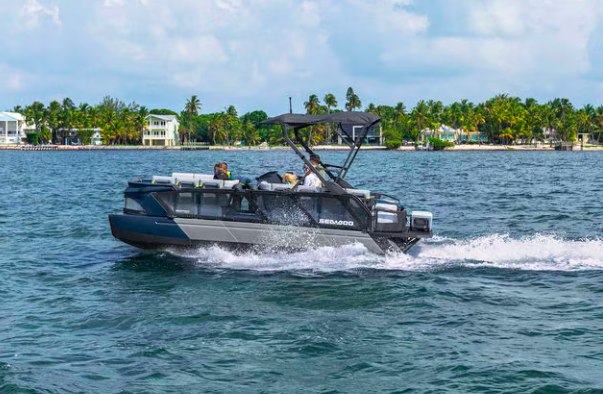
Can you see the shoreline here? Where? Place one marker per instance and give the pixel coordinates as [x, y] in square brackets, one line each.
[458, 148]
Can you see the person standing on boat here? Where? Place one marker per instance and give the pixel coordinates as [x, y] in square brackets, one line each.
[310, 178]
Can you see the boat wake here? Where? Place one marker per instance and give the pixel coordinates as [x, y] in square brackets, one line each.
[536, 253]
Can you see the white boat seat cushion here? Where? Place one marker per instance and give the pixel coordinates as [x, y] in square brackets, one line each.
[387, 217]
[204, 177]
[231, 184]
[183, 176]
[302, 188]
[281, 186]
[265, 186]
[365, 194]
[383, 206]
[213, 184]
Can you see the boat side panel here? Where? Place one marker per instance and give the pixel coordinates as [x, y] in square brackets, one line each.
[266, 234]
[146, 229]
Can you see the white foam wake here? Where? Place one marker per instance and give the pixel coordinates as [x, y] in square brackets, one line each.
[537, 252]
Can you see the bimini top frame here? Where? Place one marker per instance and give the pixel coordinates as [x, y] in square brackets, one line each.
[352, 127]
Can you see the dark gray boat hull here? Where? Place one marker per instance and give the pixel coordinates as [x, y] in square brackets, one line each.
[157, 232]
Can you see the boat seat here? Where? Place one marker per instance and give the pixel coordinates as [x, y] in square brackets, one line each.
[264, 186]
[384, 206]
[231, 184]
[302, 188]
[218, 184]
[213, 184]
[363, 194]
[387, 217]
[204, 177]
[188, 183]
[181, 176]
[164, 180]
[281, 186]
[200, 178]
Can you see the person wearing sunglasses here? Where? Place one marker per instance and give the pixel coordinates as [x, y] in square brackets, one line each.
[310, 178]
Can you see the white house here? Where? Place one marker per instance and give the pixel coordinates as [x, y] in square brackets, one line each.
[73, 136]
[161, 130]
[96, 138]
[447, 133]
[12, 128]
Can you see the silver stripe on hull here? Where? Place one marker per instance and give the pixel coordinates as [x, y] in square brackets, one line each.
[272, 235]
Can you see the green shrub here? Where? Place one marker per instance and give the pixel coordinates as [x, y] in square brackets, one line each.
[438, 144]
[85, 136]
[473, 143]
[393, 144]
[32, 138]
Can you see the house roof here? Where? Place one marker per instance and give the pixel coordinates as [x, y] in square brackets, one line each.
[11, 116]
[162, 117]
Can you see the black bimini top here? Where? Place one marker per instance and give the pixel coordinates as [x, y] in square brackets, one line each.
[353, 127]
[363, 119]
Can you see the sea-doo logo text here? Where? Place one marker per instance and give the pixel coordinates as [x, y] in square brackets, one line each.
[336, 222]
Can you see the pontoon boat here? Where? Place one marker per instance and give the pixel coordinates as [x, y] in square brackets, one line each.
[189, 210]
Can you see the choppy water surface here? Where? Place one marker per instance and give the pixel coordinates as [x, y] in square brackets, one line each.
[507, 298]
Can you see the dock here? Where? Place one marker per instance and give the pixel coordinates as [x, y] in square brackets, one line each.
[565, 146]
[38, 147]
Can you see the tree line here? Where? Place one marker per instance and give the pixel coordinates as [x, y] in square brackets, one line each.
[501, 119]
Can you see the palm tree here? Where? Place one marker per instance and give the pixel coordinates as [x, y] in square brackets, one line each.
[585, 118]
[421, 116]
[193, 105]
[191, 110]
[37, 114]
[54, 122]
[353, 101]
[232, 124]
[250, 134]
[599, 122]
[312, 107]
[217, 127]
[331, 102]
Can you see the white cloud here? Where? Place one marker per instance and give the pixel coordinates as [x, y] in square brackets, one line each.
[11, 78]
[32, 12]
[309, 14]
[257, 49]
[203, 49]
[14, 81]
[113, 3]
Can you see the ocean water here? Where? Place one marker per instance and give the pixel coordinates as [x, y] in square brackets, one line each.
[507, 297]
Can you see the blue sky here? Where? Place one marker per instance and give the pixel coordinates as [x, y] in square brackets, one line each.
[255, 53]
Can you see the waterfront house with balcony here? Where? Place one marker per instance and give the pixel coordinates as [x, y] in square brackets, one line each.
[451, 134]
[161, 130]
[13, 128]
[73, 136]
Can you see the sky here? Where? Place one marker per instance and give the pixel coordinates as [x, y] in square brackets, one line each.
[254, 54]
